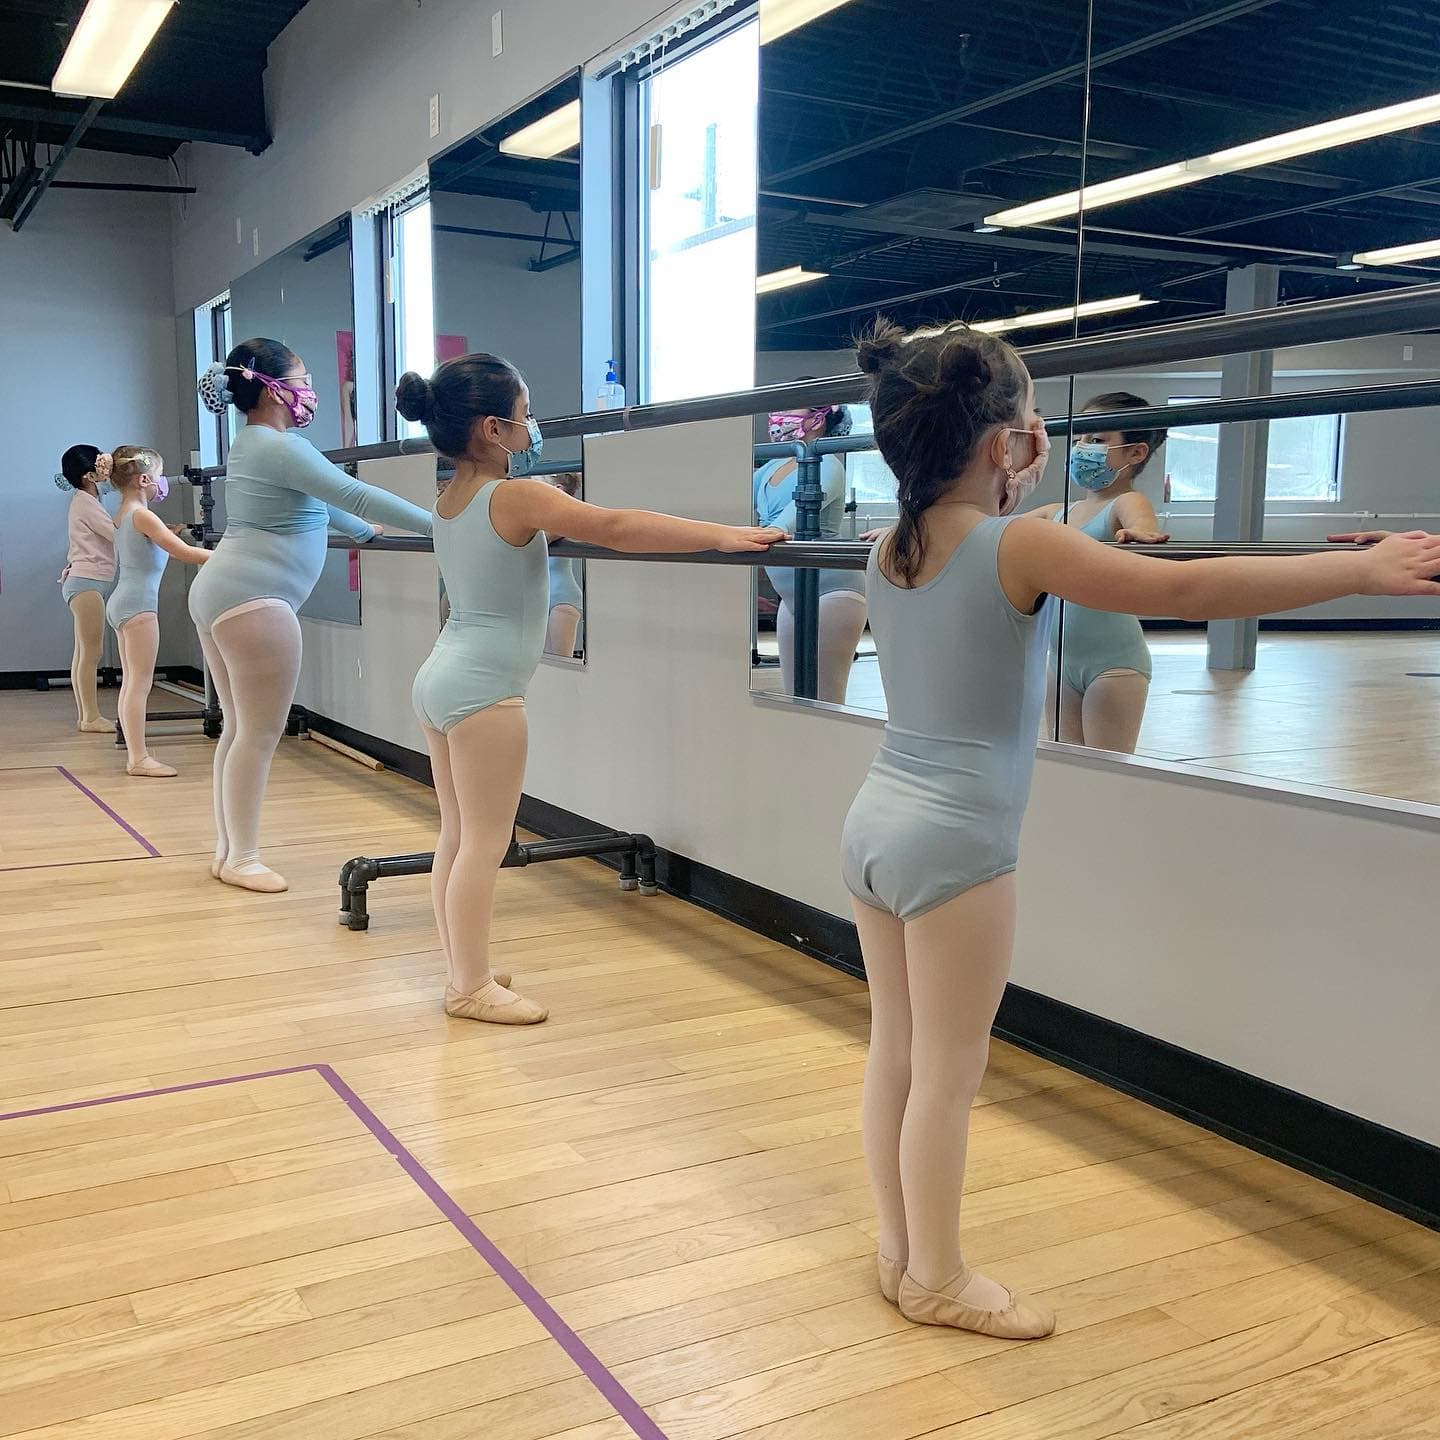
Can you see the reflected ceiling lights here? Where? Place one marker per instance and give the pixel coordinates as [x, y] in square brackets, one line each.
[108, 42]
[784, 279]
[1326, 136]
[780, 17]
[1398, 254]
[547, 137]
[1083, 311]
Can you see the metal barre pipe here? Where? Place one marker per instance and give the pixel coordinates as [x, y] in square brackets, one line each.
[1312, 321]
[852, 554]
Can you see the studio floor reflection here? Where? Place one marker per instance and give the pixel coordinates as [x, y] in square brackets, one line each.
[1348, 711]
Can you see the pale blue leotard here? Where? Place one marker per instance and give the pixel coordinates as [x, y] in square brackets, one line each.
[499, 608]
[964, 677]
[1095, 642]
[281, 493]
[564, 584]
[775, 505]
[141, 563]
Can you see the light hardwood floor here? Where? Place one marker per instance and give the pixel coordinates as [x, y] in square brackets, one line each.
[673, 1162]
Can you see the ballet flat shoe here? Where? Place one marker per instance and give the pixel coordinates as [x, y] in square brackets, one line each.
[1022, 1319]
[892, 1272]
[518, 1012]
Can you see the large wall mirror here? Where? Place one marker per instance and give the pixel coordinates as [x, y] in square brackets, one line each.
[887, 133]
[505, 219]
[304, 297]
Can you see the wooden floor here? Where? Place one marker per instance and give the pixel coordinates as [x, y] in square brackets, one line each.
[1348, 711]
[672, 1163]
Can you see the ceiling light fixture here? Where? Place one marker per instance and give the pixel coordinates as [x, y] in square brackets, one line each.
[108, 42]
[780, 17]
[547, 137]
[1396, 254]
[1327, 135]
[1083, 311]
[784, 279]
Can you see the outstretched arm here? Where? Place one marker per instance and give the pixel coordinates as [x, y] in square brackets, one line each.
[308, 470]
[1136, 522]
[1038, 559]
[520, 508]
[152, 527]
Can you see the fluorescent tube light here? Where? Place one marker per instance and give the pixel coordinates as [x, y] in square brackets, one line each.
[1398, 254]
[780, 17]
[1083, 311]
[108, 42]
[784, 279]
[1327, 135]
[547, 137]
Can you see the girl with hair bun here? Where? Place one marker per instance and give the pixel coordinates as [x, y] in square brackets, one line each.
[490, 530]
[959, 594]
[281, 494]
[88, 576]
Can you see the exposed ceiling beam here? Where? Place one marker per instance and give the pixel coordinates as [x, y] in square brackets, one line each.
[119, 124]
[27, 207]
[1073, 71]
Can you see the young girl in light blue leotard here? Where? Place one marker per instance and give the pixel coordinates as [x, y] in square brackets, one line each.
[567, 596]
[1103, 662]
[143, 544]
[281, 494]
[960, 607]
[490, 527]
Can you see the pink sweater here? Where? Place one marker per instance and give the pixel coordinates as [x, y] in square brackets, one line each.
[92, 540]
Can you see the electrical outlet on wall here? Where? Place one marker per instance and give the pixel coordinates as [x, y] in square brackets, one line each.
[497, 40]
[1407, 352]
[434, 117]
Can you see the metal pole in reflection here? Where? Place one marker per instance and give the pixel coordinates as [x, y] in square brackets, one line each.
[808, 499]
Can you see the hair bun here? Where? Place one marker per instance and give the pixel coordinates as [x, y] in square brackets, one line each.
[879, 349]
[62, 484]
[213, 387]
[963, 366]
[414, 398]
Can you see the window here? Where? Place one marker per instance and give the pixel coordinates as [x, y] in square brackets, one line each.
[1303, 462]
[865, 472]
[698, 127]
[213, 342]
[415, 298]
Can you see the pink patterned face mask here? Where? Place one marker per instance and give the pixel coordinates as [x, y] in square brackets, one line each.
[295, 395]
[798, 424]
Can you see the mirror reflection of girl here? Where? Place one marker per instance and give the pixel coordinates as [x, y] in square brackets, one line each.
[143, 544]
[842, 592]
[959, 607]
[88, 577]
[567, 599]
[1104, 662]
[490, 528]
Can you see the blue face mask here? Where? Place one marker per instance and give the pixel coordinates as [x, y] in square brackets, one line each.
[522, 462]
[1090, 468]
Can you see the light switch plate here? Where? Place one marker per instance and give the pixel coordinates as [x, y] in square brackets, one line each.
[434, 117]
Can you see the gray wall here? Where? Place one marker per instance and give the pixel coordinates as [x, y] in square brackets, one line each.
[87, 349]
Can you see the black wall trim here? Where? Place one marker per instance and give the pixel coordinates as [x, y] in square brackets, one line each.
[410, 763]
[40, 679]
[1357, 1155]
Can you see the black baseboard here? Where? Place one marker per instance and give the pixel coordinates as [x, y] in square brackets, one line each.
[1357, 1155]
[32, 679]
[410, 763]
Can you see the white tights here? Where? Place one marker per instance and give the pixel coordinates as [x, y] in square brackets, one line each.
[253, 652]
[935, 985]
[841, 623]
[139, 639]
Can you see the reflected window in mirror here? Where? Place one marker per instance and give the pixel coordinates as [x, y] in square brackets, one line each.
[213, 342]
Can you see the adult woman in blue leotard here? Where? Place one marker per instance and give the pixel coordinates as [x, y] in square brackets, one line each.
[280, 496]
[959, 607]
[1103, 669]
[490, 527]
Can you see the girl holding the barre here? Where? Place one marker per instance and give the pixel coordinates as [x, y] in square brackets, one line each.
[960, 595]
[489, 528]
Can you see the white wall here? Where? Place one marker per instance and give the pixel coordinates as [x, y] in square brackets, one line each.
[347, 92]
[87, 351]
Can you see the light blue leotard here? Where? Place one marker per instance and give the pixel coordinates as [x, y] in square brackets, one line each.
[775, 505]
[74, 584]
[499, 608]
[565, 584]
[1095, 642]
[141, 564]
[964, 677]
[280, 495]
